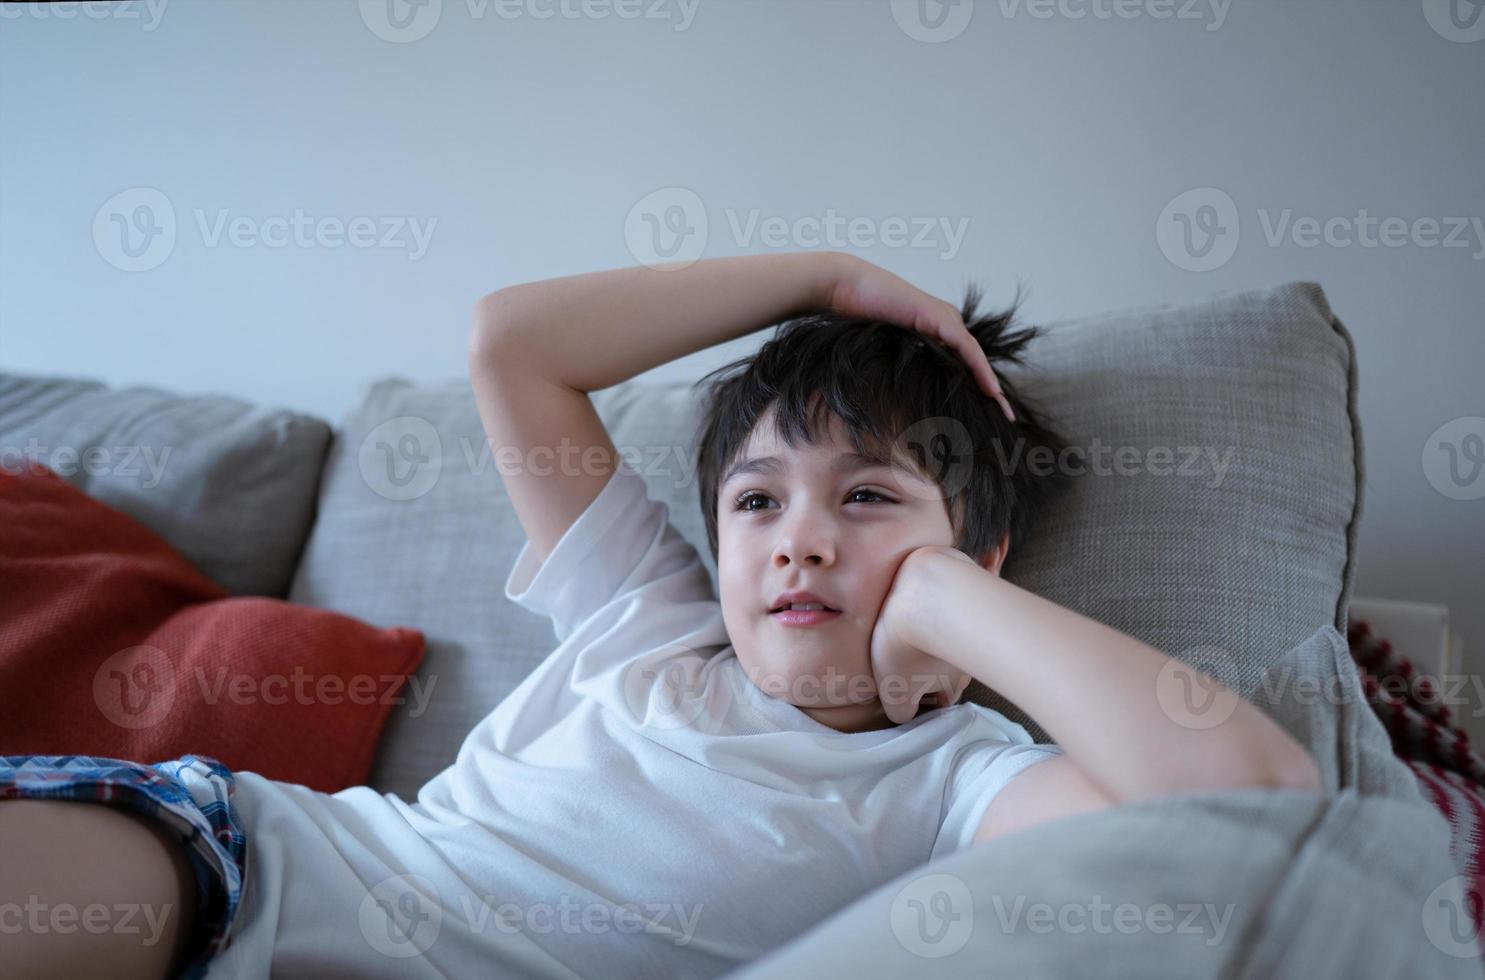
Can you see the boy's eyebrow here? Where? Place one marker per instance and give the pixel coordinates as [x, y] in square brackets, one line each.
[843, 463]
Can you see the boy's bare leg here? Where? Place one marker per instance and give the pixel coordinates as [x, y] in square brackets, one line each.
[87, 885]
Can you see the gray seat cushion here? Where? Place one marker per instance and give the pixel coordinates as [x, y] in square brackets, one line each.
[229, 484]
[1229, 563]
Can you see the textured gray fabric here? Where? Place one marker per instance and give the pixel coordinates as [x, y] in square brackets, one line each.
[1229, 572]
[1315, 692]
[1245, 883]
[1225, 571]
[229, 484]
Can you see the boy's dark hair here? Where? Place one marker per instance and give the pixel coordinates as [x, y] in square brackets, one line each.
[880, 379]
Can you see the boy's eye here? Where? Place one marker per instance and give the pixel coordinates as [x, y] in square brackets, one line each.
[745, 499]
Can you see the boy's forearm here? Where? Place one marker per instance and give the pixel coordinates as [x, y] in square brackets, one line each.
[598, 329]
[1094, 689]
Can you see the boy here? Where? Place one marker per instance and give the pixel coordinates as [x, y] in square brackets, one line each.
[685, 784]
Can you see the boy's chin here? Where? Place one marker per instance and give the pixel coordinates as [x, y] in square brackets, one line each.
[860, 716]
[867, 716]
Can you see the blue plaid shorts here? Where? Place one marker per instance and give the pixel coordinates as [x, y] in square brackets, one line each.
[191, 795]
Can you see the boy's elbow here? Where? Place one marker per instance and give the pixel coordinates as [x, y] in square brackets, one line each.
[489, 323]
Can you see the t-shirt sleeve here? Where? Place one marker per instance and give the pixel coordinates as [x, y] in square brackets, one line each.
[982, 771]
[622, 544]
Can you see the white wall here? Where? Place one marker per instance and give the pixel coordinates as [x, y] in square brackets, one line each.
[1058, 140]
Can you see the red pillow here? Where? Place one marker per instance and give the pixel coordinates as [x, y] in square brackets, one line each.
[112, 644]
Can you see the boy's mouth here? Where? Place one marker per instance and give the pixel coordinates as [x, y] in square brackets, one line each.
[800, 599]
[813, 616]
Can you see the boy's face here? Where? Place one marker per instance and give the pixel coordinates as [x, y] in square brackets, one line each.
[806, 524]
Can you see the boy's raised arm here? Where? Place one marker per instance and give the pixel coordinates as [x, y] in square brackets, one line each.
[589, 332]
[1101, 694]
[536, 350]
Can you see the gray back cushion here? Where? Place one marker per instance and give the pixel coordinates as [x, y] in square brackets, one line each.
[1216, 519]
[229, 484]
[1222, 527]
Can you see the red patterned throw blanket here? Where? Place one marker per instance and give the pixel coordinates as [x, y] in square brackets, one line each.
[1450, 773]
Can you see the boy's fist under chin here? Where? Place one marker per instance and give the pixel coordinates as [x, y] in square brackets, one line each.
[906, 675]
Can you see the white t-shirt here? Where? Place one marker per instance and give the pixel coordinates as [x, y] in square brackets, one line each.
[636, 807]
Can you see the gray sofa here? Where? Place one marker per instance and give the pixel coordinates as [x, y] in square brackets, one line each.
[1215, 519]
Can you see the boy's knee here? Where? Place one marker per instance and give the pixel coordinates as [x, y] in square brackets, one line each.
[88, 884]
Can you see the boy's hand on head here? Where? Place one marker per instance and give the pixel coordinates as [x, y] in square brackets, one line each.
[905, 674]
[866, 290]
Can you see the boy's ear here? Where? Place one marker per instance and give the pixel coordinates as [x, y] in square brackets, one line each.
[995, 557]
